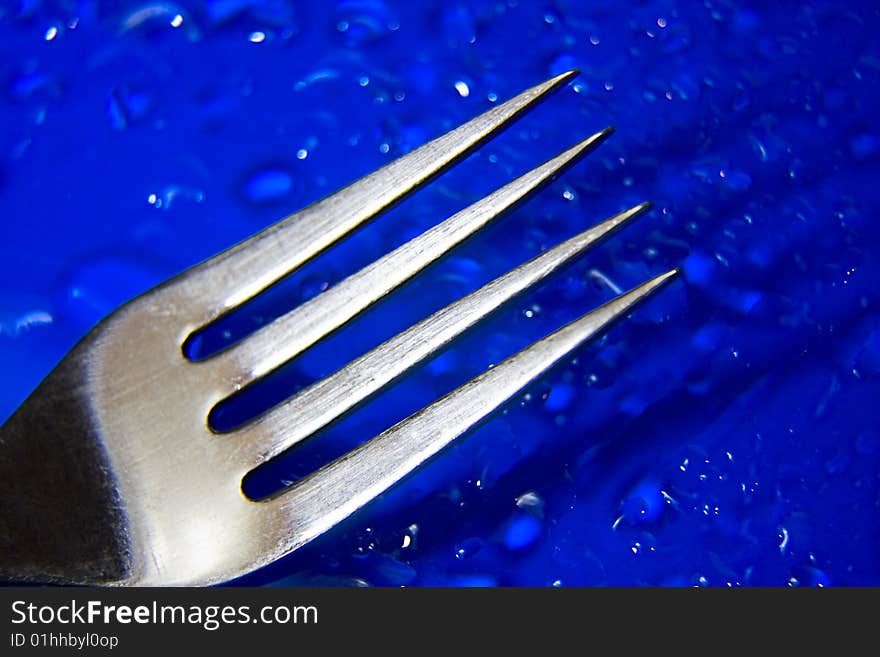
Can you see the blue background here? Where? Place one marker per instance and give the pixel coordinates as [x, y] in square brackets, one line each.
[726, 434]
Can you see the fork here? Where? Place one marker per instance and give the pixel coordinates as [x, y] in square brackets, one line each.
[111, 473]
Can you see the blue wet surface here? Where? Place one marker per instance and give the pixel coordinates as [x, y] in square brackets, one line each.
[726, 434]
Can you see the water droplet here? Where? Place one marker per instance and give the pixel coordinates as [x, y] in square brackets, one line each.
[738, 181]
[532, 311]
[24, 322]
[171, 194]
[783, 540]
[319, 75]
[268, 185]
[458, 25]
[469, 547]
[644, 503]
[811, 576]
[532, 503]
[154, 20]
[521, 531]
[410, 538]
[462, 88]
[560, 398]
[699, 269]
[362, 21]
[633, 405]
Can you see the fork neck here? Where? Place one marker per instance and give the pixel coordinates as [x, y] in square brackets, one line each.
[61, 520]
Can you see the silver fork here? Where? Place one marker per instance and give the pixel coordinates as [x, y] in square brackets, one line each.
[110, 472]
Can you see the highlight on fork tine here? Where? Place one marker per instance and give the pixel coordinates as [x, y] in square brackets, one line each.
[375, 466]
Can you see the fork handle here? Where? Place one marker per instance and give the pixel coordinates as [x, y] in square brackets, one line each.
[60, 517]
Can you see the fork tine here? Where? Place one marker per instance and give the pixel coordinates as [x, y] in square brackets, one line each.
[324, 498]
[243, 271]
[333, 396]
[289, 335]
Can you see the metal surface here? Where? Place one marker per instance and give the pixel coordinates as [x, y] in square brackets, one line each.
[109, 472]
